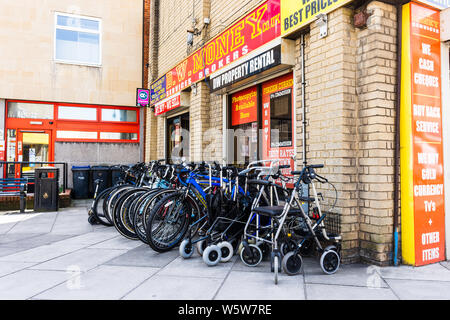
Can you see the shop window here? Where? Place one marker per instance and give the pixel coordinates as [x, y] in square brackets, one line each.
[77, 39]
[25, 110]
[244, 121]
[281, 119]
[77, 113]
[118, 136]
[119, 115]
[63, 134]
[178, 138]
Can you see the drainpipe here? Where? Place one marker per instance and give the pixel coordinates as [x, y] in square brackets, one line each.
[397, 132]
[302, 54]
[144, 115]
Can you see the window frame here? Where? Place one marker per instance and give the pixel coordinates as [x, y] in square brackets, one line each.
[100, 115]
[57, 124]
[99, 32]
[58, 105]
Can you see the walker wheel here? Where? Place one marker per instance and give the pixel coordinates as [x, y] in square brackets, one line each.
[201, 246]
[212, 255]
[330, 261]
[292, 263]
[251, 256]
[227, 251]
[186, 249]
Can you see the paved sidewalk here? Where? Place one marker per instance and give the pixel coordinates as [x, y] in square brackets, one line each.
[59, 255]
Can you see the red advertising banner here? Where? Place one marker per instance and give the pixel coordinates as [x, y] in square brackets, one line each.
[255, 29]
[244, 107]
[277, 106]
[168, 105]
[427, 152]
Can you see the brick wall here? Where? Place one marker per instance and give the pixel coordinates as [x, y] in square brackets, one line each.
[376, 85]
[350, 94]
[332, 114]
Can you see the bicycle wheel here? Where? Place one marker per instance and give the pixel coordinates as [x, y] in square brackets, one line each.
[169, 221]
[141, 217]
[122, 220]
[97, 208]
[108, 205]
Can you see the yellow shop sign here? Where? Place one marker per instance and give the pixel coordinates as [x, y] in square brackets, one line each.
[298, 13]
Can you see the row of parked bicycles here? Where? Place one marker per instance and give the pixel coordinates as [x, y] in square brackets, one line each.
[218, 211]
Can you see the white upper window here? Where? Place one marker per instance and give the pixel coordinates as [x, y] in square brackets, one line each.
[77, 39]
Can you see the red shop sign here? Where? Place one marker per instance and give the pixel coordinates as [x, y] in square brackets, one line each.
[168, 105]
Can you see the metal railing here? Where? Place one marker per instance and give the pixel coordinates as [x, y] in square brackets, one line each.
[27, 163]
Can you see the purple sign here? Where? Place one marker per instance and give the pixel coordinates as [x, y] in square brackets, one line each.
[143, 97]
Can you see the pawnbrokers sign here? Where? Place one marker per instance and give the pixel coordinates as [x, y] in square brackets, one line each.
[255, 65]
[297, 13]
[251, 32]
[421, 156]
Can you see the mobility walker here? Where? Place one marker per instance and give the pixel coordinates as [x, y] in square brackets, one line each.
[312, 228]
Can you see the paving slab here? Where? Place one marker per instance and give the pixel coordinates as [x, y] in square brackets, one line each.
[263, 266]
[35, 241]
[88, 238]
[27, 283]
[71, 225]
[11, 267]
[82, 260]
[360, 275]
[119, 242]
[6, 239]
[432, 272]
[31, 227]
[446, 264]
[260, 286]
[195, 267]
[42, 253]
[6, 251]
[165, 287]
[104, 282]
[144, 256]
[5, 227]
[338, 292]
[8, 218]
[420, 290]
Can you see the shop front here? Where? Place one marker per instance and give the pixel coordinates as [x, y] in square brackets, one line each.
[260, 107]
[174, 112]
[318, 82]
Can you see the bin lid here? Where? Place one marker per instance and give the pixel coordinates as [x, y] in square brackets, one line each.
[80, 167]
[99, 168]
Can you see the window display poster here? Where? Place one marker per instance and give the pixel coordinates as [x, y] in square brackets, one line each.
[422, 167]
[244, 106]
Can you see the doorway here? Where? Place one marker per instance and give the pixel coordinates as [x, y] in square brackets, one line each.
[177, 138]
[31, 147]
